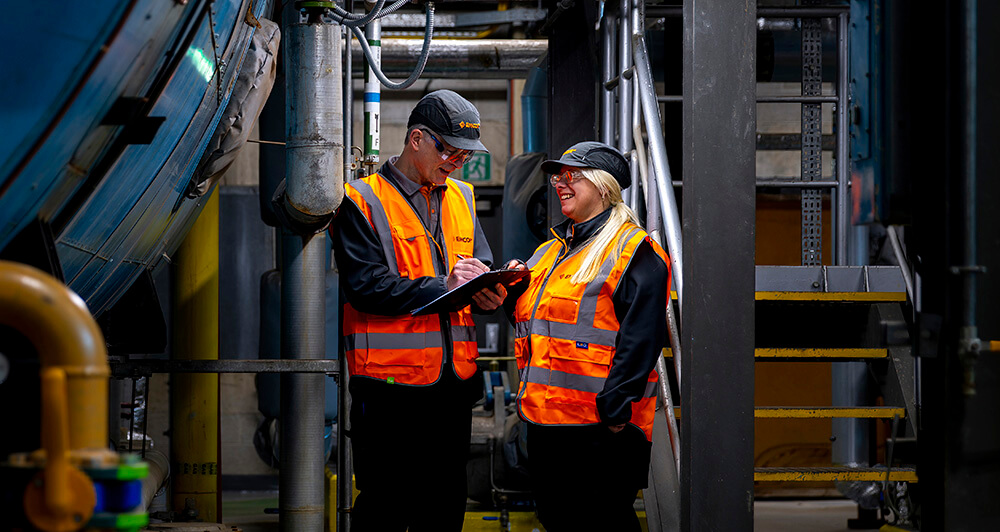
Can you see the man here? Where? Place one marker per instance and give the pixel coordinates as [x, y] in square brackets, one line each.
[404, 236]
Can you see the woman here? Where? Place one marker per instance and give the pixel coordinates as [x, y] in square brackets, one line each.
[588, 329]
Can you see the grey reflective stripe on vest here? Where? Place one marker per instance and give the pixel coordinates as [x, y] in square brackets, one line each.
[459, 333]
[533, 261]
[470, 198]
[561, 379]
[392, 340]
[521, 329]
[583, 330]
[650, 390]
[463, 333]
[571, 331]
[380, 221]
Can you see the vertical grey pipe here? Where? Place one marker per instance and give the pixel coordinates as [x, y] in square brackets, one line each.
[314, 162]
[344, 468]
[300, 495]
[607, 72]
[841, 218]
[969, 343]
[658, 150]
[314, 120]
[624, 83]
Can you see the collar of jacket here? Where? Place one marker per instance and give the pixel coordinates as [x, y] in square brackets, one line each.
[407, 186]
[575, 234]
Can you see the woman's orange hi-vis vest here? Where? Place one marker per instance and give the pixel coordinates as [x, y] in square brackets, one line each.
[405, 349]
[564, 335]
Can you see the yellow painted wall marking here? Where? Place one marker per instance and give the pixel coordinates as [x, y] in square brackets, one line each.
[831, 296]
[821, 412]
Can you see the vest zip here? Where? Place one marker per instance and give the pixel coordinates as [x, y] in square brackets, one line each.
[527, 366]
[447, 345]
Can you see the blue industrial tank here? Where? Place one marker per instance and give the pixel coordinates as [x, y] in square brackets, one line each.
[107, 108]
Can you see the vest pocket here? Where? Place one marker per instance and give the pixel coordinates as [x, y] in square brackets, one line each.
[410, 243]
[561, 309]
[578, 371]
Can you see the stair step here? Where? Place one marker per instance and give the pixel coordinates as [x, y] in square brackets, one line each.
[822, 412]
[788, 354]
[860, 297]
[821, 474]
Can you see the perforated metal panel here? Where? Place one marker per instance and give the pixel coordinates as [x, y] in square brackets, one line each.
[812, 154]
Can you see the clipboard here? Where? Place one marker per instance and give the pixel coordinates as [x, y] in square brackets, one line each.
[461, 297]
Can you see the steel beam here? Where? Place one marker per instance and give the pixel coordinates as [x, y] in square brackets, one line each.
[719, 109]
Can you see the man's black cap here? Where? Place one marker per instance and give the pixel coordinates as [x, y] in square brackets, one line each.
[590, 154]
[451, 116]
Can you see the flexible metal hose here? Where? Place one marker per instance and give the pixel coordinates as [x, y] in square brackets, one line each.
[421, 61]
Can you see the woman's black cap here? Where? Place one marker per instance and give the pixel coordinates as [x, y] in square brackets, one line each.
[591, 154]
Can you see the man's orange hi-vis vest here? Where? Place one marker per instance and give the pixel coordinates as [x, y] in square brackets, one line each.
[564, 335]
[405, 349]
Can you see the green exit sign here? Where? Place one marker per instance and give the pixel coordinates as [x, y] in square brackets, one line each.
[477, 168]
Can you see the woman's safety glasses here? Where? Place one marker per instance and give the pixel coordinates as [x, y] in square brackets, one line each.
[458, 157]
[566, 176]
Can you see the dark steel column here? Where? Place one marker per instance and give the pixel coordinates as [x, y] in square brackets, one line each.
[717, 330]
[573, 77]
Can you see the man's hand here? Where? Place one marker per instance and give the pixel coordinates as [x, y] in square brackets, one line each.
[615, 429]
[464, 271]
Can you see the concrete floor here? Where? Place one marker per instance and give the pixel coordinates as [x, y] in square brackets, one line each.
[246, 509]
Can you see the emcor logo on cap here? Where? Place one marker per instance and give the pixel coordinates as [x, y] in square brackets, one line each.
[473, 125]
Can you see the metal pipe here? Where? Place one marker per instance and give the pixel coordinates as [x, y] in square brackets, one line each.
[194, 398]
[57, 323]
[607, 69]
[344, 475]
[762, 12]
[969, 343]
[314, 174]
[904, 266]
[658, 150]
[348, 105]
[625, 84]
[373, 92]
[314, 128]
[303, 336]
[159, 470]
[843, 162]
[458, 58]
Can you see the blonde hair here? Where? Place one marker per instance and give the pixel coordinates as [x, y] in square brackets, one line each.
[620, 215]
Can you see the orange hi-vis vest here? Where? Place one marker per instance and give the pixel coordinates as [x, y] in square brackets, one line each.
[564, 335]
[405, 349]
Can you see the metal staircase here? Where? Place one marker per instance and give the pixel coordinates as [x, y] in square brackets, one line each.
[810, 313]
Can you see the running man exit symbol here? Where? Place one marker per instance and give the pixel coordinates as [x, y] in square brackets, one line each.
[477, 168]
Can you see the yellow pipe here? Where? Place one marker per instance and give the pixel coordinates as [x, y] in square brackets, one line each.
[55, 440]
[56, 321]
[194, 409]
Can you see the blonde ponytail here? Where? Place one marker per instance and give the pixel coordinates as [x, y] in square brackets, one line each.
[620, 215]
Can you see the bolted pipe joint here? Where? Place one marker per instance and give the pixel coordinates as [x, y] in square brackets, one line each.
[314, 122]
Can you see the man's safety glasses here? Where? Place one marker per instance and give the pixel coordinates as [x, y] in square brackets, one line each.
[458, 157]
[566, 176]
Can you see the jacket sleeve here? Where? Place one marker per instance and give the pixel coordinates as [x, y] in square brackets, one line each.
[640, 305]
[364, 274]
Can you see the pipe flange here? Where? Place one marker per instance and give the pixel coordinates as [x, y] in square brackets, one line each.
[79, 509]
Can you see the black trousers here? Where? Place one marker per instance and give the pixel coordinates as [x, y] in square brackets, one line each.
[410, 447]
[586, 478]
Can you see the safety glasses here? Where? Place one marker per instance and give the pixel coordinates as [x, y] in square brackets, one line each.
[458, 157]
[566, 176]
